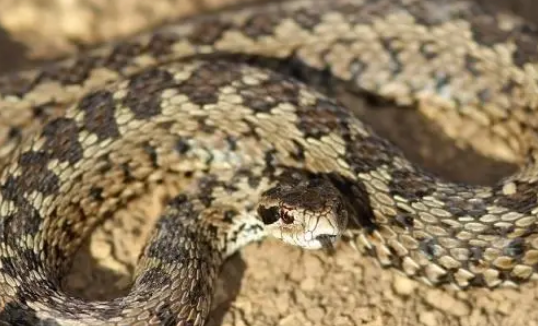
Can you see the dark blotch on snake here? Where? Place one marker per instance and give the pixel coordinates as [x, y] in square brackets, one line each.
[144, 90]
[204, 85]
[182, 146]
[34, 175]
[516, 248]
[99, 119]
[96, 193]
[161, 43]
[269, 215]
[121, 55]
[62, 140]
[206, 33]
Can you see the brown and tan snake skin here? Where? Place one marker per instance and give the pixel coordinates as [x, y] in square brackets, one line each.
[227, 101]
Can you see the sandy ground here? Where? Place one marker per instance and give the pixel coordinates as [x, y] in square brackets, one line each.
[269, 283]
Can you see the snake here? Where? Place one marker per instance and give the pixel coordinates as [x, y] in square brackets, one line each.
[237, 106]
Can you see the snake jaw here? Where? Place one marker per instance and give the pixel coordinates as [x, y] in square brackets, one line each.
[309, 231]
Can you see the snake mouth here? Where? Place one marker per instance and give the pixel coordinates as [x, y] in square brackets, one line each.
[327, 240]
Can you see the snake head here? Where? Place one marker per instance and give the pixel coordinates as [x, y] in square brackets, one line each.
[310, 215]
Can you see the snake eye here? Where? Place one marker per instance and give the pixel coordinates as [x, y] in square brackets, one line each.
[286, 218]
[268, 215]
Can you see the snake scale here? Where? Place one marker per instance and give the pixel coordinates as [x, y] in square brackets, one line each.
[234, 103]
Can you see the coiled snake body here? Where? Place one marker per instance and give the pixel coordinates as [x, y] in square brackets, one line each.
[265, 153]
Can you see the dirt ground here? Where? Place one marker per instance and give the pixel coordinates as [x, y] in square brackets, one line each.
[269, 283]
